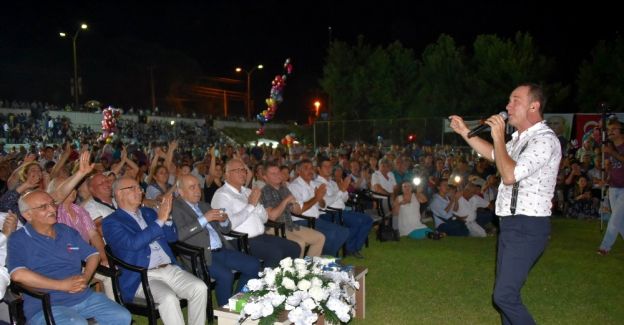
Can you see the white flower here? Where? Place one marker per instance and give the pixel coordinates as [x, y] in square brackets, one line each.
[269, 278]
[304, 285]
[318, 294]
[286, 270]
[316, 282]
[300, 262]
[300, 316]
[308, 304]
[255, 284]
[276, 299]
[302, 273]
[295, 299]
[288, 283]
[286, 263]
[340, 308]
[253, 309]
[267, 308]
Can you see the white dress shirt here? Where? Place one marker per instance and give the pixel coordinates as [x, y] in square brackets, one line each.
[536, 170]
[245, 217]
[97, 210]
[303, 192]
[334, 197]
[386, 183]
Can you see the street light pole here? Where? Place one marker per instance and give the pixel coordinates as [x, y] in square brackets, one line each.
[239, 69]
[76, 83]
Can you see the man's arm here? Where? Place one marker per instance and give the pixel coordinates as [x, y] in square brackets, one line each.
[119, 236]
[90, 266]
[481, 146]
[72, 284]
[95, 239]
[277, 211]
[69, 184]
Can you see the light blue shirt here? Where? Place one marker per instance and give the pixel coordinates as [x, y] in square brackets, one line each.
[157, 255]
[215, 241]
[438, 208]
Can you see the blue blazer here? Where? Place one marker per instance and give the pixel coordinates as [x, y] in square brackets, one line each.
[131, 244]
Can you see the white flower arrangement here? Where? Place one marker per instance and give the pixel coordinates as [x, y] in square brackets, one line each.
[304, 288]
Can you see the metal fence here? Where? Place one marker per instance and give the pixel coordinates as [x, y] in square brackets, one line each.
[396, 131]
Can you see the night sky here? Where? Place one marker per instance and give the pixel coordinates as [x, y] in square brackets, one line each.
[220, 35]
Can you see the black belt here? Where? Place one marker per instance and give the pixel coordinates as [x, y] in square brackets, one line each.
[216, 250]
[160, 266]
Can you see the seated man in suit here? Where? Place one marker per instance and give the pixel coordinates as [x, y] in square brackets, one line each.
[141, 237]
[202, 226]
[247, 215]
[47, 255]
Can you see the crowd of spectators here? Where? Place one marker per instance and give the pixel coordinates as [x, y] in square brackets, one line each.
[190, 172]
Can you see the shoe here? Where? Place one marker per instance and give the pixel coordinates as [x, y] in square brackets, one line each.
[602, 252]
[355, 254]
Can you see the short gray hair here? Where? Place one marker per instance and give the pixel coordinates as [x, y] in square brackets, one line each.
[116, 184]
[21, 203]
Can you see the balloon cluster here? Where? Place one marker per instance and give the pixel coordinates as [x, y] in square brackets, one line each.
[288, 140]
[109, 123]
[277, 89]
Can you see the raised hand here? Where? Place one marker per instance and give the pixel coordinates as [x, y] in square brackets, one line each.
[344, 184]
[320, 191]
[254, 196]
[165, 207]
[85, 166]
[10, 224]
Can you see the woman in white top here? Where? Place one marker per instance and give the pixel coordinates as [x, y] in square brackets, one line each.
[407, 207]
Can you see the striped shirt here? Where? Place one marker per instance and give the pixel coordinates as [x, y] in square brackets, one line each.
[83, 223]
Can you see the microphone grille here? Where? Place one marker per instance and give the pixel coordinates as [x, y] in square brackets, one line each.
[504, 115]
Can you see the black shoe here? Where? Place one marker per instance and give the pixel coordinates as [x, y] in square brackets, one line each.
[357, 255]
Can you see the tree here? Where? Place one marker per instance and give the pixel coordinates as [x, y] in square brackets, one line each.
[601, 79]
[441, 85]
[500, 65]
[337, 81]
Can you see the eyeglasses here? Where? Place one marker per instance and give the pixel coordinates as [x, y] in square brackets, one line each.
[239, 170]
[133, 187]
[45, 206]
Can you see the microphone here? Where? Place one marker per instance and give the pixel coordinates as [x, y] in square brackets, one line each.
[485, 127]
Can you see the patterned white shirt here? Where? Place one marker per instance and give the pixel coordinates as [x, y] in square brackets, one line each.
[536, 170]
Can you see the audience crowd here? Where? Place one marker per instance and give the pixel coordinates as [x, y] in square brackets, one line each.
[68, 196]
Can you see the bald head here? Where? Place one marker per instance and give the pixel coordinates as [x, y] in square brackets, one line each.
[100, 187]
[189, 188]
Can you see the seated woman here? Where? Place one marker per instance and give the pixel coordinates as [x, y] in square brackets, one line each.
[406, 209]
[581, 203]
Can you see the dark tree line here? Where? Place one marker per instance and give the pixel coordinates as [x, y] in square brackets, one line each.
[367, 82]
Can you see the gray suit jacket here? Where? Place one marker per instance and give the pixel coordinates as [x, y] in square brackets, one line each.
[191, 232]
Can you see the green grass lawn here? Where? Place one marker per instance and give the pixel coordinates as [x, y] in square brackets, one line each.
[450, 281]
